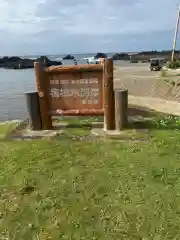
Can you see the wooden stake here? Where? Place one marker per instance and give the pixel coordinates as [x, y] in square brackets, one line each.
[32, 101]
[121, 106]
[108, 94]
[43, 93]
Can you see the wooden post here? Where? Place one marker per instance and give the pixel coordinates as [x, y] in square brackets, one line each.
[108, 95]
[33, 109]
[43, 92]
[121, 107]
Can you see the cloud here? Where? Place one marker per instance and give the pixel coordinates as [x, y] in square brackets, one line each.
[74, 25]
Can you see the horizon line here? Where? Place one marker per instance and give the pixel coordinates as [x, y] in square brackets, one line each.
[91, 53]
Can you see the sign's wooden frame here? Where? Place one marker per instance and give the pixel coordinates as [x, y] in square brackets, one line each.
[43, 88]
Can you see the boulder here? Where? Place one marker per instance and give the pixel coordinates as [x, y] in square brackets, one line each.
[100, 55]
[68, 57]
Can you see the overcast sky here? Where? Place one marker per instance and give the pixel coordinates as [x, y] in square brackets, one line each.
[85, 26]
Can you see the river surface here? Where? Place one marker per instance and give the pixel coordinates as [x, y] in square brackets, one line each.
[13, 85]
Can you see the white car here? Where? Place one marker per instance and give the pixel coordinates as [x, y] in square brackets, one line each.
[93, 60]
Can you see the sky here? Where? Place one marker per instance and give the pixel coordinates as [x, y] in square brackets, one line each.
[86, 26]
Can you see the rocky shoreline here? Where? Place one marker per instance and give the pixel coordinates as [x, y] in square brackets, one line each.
[145, 56]
[135, 57]
[26, 63]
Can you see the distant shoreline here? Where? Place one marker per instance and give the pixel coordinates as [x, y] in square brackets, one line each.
[91, 53]
[25, 62]
[119, 55]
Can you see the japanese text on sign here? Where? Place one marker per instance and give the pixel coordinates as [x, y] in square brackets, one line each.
[81, 92]
[78, 81]
[90, 101]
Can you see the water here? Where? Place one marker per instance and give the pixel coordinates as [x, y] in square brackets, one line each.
[14, 83]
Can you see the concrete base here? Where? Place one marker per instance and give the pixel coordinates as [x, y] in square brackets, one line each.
[98, 129]
[28, 135]
[103, 132]
[23, 132]
[125, 135]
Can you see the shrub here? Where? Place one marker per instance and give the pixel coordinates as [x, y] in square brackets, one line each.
[174, 65]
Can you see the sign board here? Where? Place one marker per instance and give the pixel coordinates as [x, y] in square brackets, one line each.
[76, 91]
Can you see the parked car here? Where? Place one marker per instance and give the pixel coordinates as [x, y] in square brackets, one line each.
[156, 64]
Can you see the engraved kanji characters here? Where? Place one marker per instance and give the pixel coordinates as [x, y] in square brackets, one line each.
[55, 93]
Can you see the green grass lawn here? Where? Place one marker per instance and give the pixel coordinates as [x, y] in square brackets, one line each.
[92, 189]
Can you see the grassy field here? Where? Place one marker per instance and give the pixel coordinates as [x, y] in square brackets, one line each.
[92, 188]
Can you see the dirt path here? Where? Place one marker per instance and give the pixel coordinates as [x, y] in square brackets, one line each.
[156, 104]
[156, 88]
[147, 88]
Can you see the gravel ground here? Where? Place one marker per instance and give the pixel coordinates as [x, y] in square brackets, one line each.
[140, 81]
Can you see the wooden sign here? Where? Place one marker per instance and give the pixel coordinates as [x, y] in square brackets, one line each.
[77, 92]
[85, 90]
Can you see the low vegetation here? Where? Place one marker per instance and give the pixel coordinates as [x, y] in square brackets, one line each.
[172, 77]
[92, 188]
[174, 65]
[6, 129]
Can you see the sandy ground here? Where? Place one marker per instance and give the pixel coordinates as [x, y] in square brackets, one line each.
[140, 81]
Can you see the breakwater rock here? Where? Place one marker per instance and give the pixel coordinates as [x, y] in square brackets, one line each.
[121, 56]
[100, 55]
[25, 63]
[146, 55]
[68, 57]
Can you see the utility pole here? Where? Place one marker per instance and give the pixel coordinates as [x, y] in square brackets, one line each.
[175, 35]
